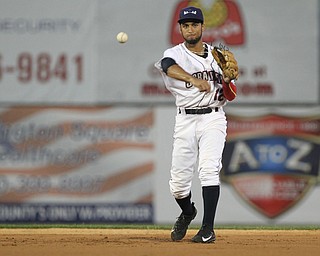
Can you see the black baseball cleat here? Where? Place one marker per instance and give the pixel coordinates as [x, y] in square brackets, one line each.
[204, 235]
[180, 228]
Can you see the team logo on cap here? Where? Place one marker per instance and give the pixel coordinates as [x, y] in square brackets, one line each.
[222, 18]
[186, 12]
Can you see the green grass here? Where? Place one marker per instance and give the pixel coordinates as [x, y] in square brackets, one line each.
[162, 227]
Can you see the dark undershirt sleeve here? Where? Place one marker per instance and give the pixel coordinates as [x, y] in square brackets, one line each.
[167, 63]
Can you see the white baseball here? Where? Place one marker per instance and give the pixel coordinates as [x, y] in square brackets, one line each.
[122, 37]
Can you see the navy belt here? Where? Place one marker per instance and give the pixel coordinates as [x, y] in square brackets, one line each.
[200, 111]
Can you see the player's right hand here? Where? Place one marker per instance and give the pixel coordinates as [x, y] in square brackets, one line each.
[202, 85]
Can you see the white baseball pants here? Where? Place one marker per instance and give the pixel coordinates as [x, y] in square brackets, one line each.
[198, 142]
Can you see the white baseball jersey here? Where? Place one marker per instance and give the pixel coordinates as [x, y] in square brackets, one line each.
[187, 95]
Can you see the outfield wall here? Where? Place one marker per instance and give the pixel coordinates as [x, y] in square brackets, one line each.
[111, 164]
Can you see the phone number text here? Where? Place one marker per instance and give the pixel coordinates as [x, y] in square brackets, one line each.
[43, 68]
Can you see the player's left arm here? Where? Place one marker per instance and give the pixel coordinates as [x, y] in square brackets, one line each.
[230, 70]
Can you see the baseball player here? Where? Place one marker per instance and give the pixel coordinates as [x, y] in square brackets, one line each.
[201, 89]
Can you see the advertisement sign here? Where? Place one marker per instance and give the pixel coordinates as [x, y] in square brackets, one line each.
[272, 160]
[76, 164]
[47, 52]
[66, 52]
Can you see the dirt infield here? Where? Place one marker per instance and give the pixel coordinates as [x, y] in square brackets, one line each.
[133, 242]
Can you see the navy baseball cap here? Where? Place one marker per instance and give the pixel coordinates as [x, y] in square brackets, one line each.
[190, 13]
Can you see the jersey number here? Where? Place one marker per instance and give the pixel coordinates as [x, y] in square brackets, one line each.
[219, 95]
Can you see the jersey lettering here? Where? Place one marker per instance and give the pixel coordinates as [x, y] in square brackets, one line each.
[206, 75]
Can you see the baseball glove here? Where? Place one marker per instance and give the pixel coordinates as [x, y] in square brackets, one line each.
[226, 62]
